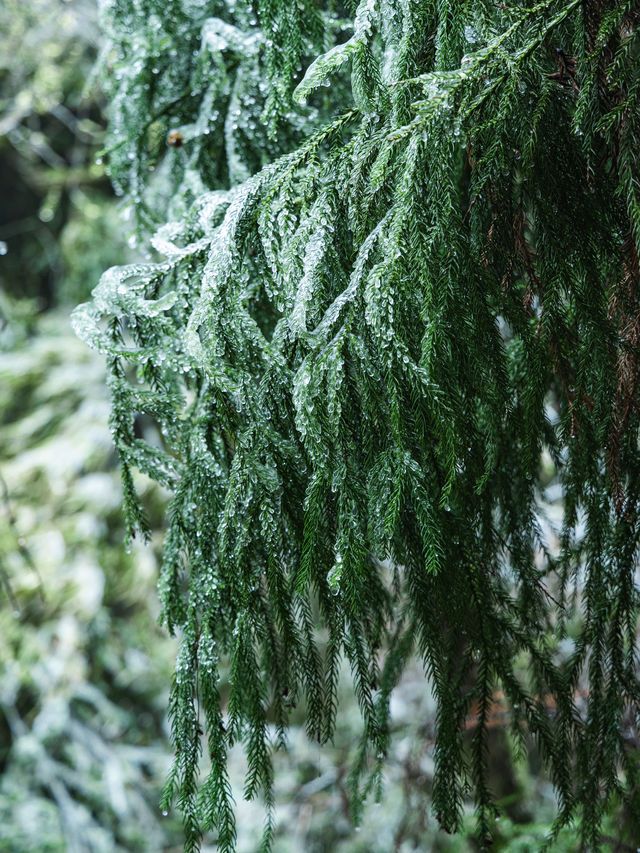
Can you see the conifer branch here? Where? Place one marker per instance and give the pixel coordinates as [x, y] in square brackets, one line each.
[369, 317]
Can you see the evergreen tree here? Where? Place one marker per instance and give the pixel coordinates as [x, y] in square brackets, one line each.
[372, 309]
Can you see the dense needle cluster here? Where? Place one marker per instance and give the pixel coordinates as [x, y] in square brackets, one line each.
[372, 308]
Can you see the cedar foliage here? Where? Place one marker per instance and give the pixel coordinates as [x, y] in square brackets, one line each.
[374, 306]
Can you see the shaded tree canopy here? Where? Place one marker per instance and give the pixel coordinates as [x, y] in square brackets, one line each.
[395, 265]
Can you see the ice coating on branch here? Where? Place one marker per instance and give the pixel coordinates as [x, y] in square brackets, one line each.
[319, 71]
[349, 351]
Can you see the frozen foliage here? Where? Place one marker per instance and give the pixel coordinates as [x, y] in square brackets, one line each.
[371, 316]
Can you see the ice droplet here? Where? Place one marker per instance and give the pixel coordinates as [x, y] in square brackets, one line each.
[470, 34]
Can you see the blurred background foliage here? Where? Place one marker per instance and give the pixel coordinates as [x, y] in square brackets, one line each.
[84, 667]
[58, 224]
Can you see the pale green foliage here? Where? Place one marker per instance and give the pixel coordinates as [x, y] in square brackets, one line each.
[356, 355]
[84, 668]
